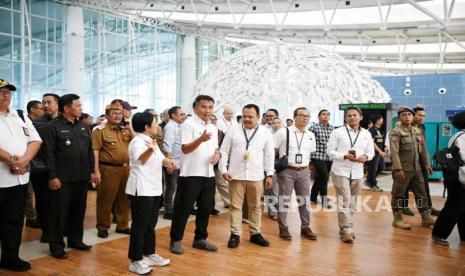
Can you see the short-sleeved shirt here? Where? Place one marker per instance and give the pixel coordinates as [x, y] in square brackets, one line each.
[197, 163]
[306, 139]
[146, 179]
[15, 135]
[378, 137]
[112, 141]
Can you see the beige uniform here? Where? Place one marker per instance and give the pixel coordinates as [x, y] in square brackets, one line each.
[112, 143]
[406, 152]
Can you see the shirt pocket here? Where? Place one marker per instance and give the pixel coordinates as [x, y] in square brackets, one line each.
[65, 141]
[109, 142]
[406, 143]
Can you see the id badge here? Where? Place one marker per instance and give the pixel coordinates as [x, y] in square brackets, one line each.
[26, 131]
[298, 158]
[246, 156]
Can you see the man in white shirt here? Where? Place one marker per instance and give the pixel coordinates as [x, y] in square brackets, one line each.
[349, 147]
[228, 120]
[247, 155]
[199, 146]
[297, 175]
[270, 114]
[19, 143]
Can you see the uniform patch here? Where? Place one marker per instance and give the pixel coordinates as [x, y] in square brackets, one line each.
[394, 138]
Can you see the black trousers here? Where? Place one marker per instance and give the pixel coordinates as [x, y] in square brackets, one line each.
[453, 213]
[12, 207]
[190, 190]
[321, 180]
[144, 213]
[375, 166]
[428, 194]
[39, 182]
[67, 209]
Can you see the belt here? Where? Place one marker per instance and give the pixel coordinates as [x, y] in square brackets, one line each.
[297, 168]
[113, 165]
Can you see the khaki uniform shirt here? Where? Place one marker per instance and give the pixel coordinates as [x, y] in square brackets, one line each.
[407, 149]
[112, 142]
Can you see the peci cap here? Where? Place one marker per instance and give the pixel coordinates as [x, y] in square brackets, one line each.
[115, 106]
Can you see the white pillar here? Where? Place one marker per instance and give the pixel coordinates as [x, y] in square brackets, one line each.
[74, 51]
[187, 72]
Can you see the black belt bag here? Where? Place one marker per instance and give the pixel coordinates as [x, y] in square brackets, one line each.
[281, 164]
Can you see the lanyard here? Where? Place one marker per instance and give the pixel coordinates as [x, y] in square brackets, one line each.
[299, 144]
[352, 144]
[251, 137]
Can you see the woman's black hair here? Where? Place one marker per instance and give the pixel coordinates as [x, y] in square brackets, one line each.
[140, 120]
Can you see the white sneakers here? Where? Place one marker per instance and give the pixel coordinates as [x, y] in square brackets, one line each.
[140, 267]
[143, 266]
[156, 260]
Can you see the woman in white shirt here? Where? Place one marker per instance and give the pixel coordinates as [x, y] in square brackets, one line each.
[454, 209]
[144, 189]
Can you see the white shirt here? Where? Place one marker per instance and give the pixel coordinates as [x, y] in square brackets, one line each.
[307, 138]
[339, 145]
[15, 135]
[460, 143]
[144, 180]
[224, 125]
[260, 152]
[197, 162]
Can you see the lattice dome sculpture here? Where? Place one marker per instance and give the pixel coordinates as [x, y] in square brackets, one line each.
[287, 76]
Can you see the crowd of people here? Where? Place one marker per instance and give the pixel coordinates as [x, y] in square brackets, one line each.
[144, 162]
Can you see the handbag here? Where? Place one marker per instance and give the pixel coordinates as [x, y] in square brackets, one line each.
[280, 164]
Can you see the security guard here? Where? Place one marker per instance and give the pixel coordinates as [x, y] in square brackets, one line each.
[70, 163]
[110, 144]
[406, 151]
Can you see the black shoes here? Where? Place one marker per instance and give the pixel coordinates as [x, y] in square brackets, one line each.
[80, 246]
[61, 254]
[234, 241]
[102, 234]
[15, 265]
[126, 231]
[194, 211]
[32, 223]
[168, 216]
[214, 212]
[259, 240]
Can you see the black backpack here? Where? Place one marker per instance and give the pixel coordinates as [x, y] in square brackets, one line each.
[449, 160]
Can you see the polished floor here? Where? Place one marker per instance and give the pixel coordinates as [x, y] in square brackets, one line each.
[378, 249]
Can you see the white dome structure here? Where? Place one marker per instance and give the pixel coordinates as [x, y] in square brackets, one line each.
[286, 76]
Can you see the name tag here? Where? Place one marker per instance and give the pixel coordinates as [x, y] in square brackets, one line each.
[298, 158]
[26, 131]
[246, 156]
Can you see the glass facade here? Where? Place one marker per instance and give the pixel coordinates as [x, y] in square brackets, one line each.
[123, 59]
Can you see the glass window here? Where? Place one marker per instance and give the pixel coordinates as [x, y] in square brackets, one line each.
[17, 49]
[38, 51]
[16, 23]
[5, 26]
[6, 70]
[39, 7]
[38, 28]
[39, 75]
[5, 47]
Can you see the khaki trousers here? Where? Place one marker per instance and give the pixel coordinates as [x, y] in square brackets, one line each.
[112, 189]
[347, 192]
[238, 190]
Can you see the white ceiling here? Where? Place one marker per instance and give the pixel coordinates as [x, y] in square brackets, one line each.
[416, 36]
